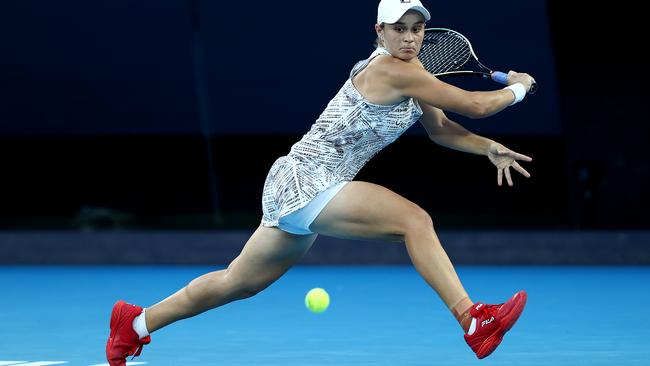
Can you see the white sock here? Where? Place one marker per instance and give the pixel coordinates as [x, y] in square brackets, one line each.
[472, 327]
[140, 326]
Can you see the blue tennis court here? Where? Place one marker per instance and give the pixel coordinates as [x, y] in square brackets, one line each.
[379, 315]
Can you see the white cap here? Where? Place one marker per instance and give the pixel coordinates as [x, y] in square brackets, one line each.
[389, 11]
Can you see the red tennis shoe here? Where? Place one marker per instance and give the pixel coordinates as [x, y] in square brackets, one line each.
[491, 322]
[123, 340]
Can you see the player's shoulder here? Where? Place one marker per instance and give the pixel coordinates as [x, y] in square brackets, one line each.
[388, 62]
[389, 66]
[393, 69]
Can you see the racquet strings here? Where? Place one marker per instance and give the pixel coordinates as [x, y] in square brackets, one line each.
[444, 52]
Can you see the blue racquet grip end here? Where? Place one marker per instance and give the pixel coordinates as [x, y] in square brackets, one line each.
[500, 77]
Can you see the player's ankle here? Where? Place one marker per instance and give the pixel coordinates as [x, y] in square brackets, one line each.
[140, 325]
[461, 311]
[465, 321]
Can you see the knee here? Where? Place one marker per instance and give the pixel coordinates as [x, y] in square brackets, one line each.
[250, 290]
[245, 288]
[418, 220]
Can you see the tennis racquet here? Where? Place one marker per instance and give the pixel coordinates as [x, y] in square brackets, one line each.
[446, 52]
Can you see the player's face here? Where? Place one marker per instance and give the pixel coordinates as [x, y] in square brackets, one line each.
[403, 39]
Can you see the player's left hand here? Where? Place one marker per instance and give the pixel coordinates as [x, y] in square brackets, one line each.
[504, 158]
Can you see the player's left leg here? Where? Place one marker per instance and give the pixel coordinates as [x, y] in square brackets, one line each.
[368, 211]
[364, 210]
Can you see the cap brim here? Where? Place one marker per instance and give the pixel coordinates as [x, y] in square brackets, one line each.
[395, 17]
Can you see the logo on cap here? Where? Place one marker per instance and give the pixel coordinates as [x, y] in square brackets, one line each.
[405, 1]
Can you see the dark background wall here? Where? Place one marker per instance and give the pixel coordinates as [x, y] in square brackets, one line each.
[604, 111]
[168, 114]
[152, 67]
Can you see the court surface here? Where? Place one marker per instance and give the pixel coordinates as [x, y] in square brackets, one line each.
[378, 316]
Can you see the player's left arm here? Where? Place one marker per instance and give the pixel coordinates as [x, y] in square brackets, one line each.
[443, 131]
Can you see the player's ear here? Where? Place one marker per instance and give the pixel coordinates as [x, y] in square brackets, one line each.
[379, 29]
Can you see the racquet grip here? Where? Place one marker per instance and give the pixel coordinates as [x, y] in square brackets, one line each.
[502, 77]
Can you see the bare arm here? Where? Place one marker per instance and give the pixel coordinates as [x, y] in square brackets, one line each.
[411, 80]
[443, 131]
[448, 133]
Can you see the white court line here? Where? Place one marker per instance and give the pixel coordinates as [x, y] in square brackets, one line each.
[46, 363]
[127, 364]
[37, 363]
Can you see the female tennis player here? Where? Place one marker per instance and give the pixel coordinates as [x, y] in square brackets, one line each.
[311, 190]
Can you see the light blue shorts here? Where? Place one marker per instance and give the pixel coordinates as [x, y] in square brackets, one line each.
[299, 221]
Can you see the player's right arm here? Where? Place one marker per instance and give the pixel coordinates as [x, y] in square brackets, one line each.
[411, 80]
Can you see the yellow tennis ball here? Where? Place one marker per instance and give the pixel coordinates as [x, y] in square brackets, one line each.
[317, 300]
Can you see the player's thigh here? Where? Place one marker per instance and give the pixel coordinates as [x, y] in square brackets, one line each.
[363, 210]
[268, 254]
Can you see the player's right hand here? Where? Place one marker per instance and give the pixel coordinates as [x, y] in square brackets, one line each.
[520, 77]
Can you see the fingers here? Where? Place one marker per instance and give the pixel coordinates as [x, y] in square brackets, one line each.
[518, 156]
[506, 171]
[520, 169]
[508, 176]
[505, 158]
[502, 150]
[520, 77]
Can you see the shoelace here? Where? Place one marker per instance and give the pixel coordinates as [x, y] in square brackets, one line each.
[489, 310]
[138, 349]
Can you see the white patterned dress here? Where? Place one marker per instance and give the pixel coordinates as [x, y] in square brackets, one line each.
[347, 134]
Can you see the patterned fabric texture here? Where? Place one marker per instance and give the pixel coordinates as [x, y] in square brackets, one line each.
[347, 134]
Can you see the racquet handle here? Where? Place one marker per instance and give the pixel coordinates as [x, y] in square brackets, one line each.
[502, 77]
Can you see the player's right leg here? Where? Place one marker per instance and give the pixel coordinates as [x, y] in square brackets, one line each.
[267, 255]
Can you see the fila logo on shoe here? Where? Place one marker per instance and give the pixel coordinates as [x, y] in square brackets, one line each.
[487, 321]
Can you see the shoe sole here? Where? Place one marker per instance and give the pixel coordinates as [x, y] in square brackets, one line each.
[508, 318]
[115, 315]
